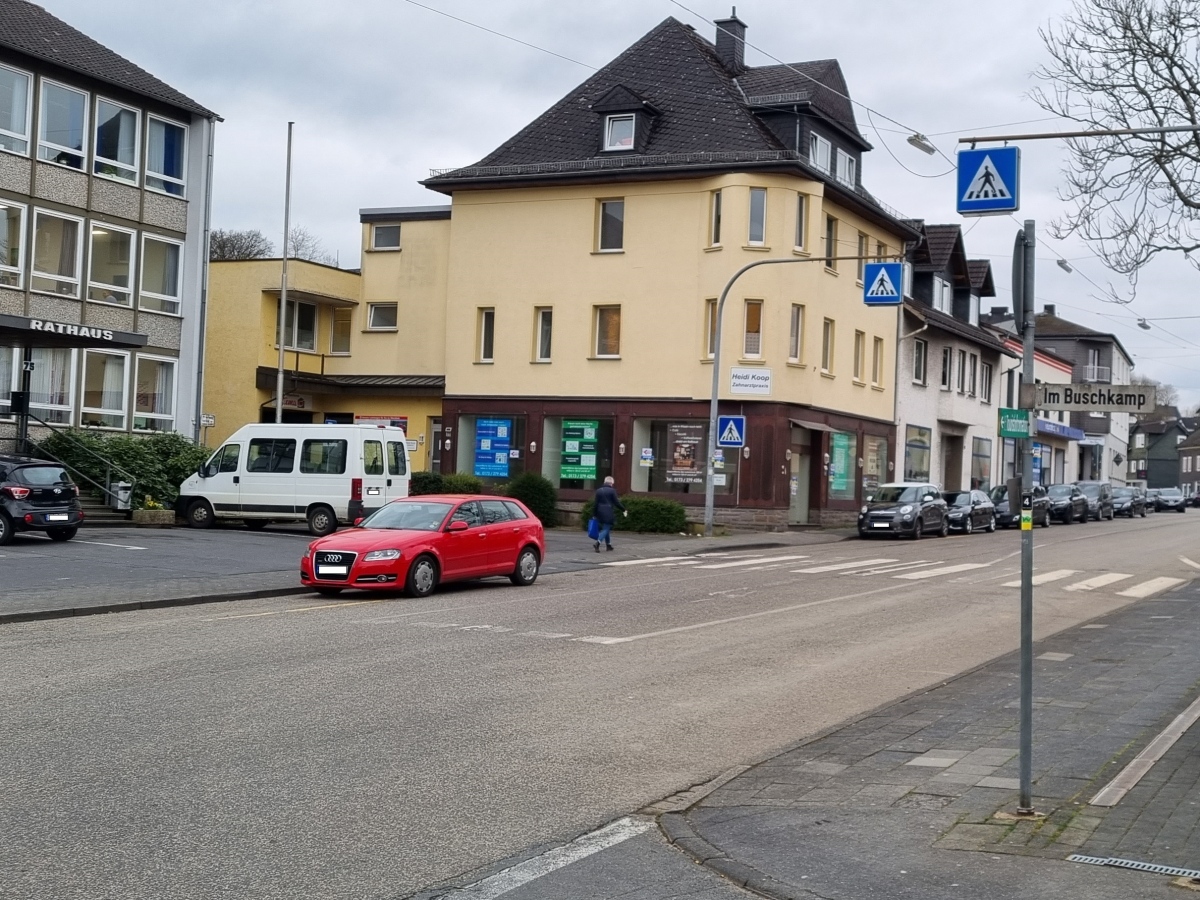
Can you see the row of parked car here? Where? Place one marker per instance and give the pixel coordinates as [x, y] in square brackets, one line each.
[916, 509]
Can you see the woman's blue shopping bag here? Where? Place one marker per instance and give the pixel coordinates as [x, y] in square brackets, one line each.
[594, 528]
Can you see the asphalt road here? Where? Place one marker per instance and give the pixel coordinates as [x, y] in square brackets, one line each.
[372, 748]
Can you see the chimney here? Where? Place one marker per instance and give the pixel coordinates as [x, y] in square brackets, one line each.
[1048, 309]
[731, 42]
[999, 311]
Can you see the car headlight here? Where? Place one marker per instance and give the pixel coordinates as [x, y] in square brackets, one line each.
[904, 510]
[863, 510]
[956, 515]
[308, 552]
[376, 555]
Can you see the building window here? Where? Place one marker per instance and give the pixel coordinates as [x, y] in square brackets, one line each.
[962, 371]
[710, 328]
[973, 312]
[985, 382]
[1139, 441]
[714, 237]
[981, 464]
[14, 110]
[827, 336]
[972, 374]
[880, 251]
[154, 396]
[339, 334]
[611, 226]
[577, 453]
[752, 333]
[843, 454]
[618, 132]
[860, 349]
[608, 332]
[544, 325]
[947, 368]
[160, 275]
[385, 237]
[166, 157]
[104, 389]
[111, 264]
[801, 220]
[796, 334]
[62, 134]
[860, 265]
[831, 227]
[758, 216]
[943, 296]
[118, 137]
[920, 361]
[846, 168]
[52, 387]
[917, 441]
[56, 253]
[487, 334]
[818, 152]
[300, 326]
[382, 316]
[12, 241]
[877, 362]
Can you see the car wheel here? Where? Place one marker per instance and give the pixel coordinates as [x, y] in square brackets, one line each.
[1069, 518]
[1143, 513]
[422, 577]
[200, 515]
[328, 592]
[1112, 516]
[321, 521]
[916, 532]
[968, 525]
[256, 524]
[61, 534]
[945, 529]
[6, 530]
[991, 528]
[1046, 519]
[526, 572]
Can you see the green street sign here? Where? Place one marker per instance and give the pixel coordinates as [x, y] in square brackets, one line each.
[1017, 423]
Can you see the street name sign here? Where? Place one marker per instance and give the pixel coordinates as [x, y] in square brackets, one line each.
[989, 181]
[1090, 397]
[883, 283]
[731, 431]
[1017, 423]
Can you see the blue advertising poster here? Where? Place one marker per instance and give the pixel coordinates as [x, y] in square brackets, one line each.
[492, 438]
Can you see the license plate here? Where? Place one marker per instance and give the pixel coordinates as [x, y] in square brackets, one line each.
[333, 570]
[882, 525]
[58, 517]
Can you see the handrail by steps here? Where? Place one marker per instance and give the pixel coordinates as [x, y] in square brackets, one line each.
[32, 448]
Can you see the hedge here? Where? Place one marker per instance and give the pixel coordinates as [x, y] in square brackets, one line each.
[538, 493]
[460, 483]
[646, 515]
[426, 483]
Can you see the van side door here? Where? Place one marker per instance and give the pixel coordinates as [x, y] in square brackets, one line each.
[374, 475]
[222, 487]
[397, 470]
[268, 479]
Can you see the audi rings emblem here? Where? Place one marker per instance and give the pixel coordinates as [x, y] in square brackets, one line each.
[333, 557]
[58, 490]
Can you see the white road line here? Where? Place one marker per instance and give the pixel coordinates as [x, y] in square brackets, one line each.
[673, 565]
[1188, 562]
[858, 564]
[553, 859]
[103, 544]
[545, 634]
[643, 562]
[1112, 793]
[883, 570]
[1098, 582]
[1046, 577]
[945, 570]
[751, 562]
[1153, 586]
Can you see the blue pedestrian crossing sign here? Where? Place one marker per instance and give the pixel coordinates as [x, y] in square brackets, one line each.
[731, 431]
[989, 181]
[883, 284]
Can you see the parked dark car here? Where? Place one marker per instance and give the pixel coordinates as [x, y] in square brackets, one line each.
[969, 511]
[904, 508]
[1067, 503]
[1170, 500]
[1099, 498]
[1152, 499]
[1129, 501]
[1196, 499]
[36, 495]
[1007, 518]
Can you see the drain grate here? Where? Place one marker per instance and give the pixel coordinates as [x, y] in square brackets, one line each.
[1155, 868]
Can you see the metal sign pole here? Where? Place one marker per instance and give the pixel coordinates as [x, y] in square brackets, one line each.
[1025, 805]
[283, 284]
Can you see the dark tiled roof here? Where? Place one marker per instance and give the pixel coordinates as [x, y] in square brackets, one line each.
[1193, 440]
[981, 277]
[941, 241]
[1048, 325]
[29, 29]
[980, 336]
[820, 81]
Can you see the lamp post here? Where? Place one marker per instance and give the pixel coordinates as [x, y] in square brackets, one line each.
[287, 208]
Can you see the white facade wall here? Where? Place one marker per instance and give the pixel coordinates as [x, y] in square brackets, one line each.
[1044, 373]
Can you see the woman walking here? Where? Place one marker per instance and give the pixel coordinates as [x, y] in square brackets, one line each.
[606, 506]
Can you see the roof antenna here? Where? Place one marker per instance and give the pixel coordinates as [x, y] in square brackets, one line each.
[733, 15]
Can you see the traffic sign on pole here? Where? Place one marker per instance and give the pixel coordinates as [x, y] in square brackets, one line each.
[989, 181]
[731, 431]
[883, 284]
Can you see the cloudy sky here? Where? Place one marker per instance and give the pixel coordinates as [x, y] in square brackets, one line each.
[384, 90]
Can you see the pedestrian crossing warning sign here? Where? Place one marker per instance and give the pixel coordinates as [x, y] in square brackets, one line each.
[989, 181]
[731, 431]
[883, 284]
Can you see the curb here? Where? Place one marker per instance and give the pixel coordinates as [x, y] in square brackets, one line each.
[39, 615]
[676, 828]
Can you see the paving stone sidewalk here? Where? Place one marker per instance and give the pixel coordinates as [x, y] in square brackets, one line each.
[886, 806]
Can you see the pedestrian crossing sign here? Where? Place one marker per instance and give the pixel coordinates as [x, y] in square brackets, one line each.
[989, 181]
[883, 284]
[731, 431]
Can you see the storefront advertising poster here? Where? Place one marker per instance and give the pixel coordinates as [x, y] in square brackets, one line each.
[686, 444]
[492, 438]
[841, 465]
[579, 449]
[647, 460]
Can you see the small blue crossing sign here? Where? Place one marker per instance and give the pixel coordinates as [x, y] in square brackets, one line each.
[731, 431]
[883, 284]
[989, 181]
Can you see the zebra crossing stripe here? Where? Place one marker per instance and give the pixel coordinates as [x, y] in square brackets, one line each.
[945, 570]
[1098, 582]
[751, 562]
[857, 564]
[643, 562]
[1153, 586]
[1046, 577]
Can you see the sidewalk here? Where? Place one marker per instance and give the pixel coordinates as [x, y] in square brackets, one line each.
[916, 799]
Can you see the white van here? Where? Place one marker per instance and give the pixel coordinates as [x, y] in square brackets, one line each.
[320, 474]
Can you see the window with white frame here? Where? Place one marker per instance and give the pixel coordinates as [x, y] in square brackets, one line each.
[973, 312]
[827, 338]
[758, 217]
[8, 378]
[947, 368]
[880, 251]
[943, 295]
[300, 326]
[877, 362]
[818, 152]
[543, 333]
[105, 384]
[796, 334]
[12, 244]
[752, 338]
[385, 237]
[166, 157]
[57, 248]
[846, 168]
[486, 326]
[1180, 438]
[972, 374]
[339, 334]
[618, 132]
[985, 382]
[62, 129]
[860, 349]
[111, 265]
[714, 234]
[161, 259]
[16, 90]
[154, 394]
[1139, 441]
[831, 239]
[962, 371]
[801, 220]
[608, 332]
[920, 360]
[52, 384]
[710, 328]
[118, 137]
[860, 265]
[382, 316]
[610, 227]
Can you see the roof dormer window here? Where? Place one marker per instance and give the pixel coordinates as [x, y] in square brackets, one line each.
[618, 132]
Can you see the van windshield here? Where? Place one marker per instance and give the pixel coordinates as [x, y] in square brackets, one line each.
[409, 515]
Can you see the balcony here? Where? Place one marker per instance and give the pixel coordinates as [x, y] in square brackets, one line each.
[1094, 374]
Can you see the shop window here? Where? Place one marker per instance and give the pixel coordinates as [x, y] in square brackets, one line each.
[668, 457]
[843, 457]
[492, 447]
[577, 453]
[875, 463]
[917, 442]
[981, 464]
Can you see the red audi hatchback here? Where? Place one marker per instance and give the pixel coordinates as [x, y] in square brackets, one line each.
[421, 542]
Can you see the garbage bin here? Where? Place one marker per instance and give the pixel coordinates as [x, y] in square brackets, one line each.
[120, 494]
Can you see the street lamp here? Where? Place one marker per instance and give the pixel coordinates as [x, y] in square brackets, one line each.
[922, 143]
[1142, 323]
[1065, 266]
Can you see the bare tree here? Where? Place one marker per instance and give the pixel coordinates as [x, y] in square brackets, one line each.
[1166, 397]
[303, 244]
[224, 244]
[1129, 64]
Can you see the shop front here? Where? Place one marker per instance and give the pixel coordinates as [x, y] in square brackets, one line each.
[1053, 459]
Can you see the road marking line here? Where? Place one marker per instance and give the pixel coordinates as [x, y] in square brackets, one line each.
[545, 634]
[1153, 586]
[103, 544]
[1188, 562]
[883, 570]
[848, 565]
[945, 570]
[246, 616]
[1098, 582]
[751, 562]
[1127, 778]
[332, 605]
[672, 565]
[1046, 577]
[553, 859]
[642, 562]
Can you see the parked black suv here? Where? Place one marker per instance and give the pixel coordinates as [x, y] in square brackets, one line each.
[1067, 503]
[1007, 517]
[1171, 499]
[1099, 498]
[1129, 501]
[36, 495]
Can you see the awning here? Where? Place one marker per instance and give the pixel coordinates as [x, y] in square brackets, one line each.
[1091, 442]
[19, 331]
[811, 426]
